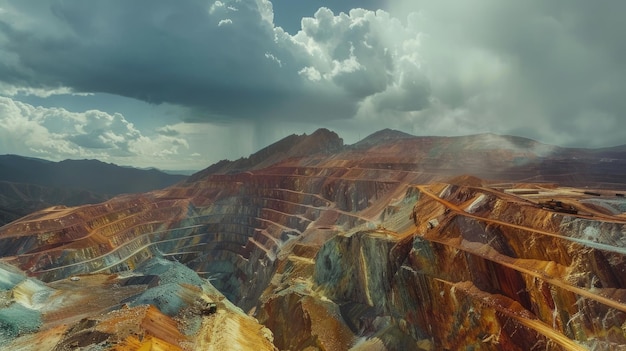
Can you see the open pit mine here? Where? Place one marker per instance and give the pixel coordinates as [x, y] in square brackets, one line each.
[397, 242]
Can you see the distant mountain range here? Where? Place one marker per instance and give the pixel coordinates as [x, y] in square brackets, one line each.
[29, 184]
[489, 156]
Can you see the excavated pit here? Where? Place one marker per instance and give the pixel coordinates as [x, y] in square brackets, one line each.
[334, 251]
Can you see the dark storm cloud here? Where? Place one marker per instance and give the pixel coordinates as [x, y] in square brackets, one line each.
[141, 48]
[219, 57]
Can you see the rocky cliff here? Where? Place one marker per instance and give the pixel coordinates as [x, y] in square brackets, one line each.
[374, 246]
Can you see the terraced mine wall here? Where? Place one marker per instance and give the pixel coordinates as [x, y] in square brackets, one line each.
[388, 264]
[454, 277]
[229, 228]
[347, 252]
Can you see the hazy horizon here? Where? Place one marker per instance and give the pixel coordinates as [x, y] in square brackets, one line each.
[191, 171]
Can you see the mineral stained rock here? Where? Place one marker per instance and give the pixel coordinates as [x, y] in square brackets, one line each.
[381, 245]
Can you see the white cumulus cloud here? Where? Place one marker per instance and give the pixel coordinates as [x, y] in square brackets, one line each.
[224, 22]
[56, 133]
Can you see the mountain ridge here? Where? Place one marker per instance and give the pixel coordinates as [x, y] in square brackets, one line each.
[86, 174]
[320, 141]
[68, 182]
[485, 155]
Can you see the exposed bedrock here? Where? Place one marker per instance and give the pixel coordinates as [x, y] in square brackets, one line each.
[228, 228]
[163, 305]
[305, 322]
[369, 273]
[437, 302]
[457, 282]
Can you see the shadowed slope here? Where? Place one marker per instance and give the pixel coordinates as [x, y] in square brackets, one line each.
[31, 184]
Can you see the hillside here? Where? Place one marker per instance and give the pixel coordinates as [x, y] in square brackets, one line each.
[89, 175]
[31, 184]
[481, 242]
[18, 199]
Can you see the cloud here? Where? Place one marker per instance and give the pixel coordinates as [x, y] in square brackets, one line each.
[353, 51]
[56, 133]
[225, 59]
[224, 22]
[156, 51]
[535, 68]
[168, 131]
[11, 90]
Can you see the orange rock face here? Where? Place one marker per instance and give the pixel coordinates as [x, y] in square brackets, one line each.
[379, 245]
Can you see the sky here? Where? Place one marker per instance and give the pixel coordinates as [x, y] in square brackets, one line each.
[179, 85]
